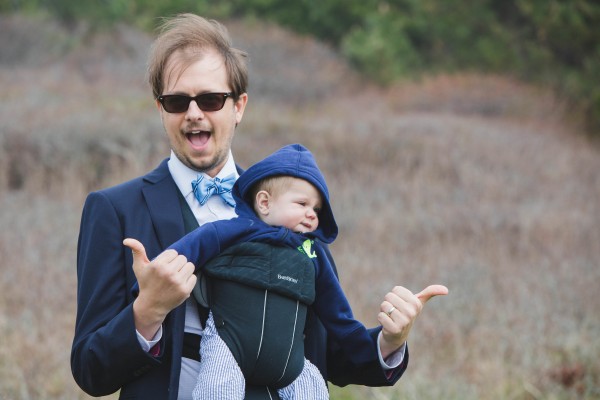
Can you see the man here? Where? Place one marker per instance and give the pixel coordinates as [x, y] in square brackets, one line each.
[137, 344]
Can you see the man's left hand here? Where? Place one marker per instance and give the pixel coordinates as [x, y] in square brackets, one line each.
[399, 311]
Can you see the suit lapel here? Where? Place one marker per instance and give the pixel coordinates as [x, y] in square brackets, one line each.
[161, 197]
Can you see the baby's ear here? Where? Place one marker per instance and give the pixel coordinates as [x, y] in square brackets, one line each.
[263, 202]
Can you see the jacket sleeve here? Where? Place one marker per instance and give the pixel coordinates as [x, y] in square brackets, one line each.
[352, 354]
[200, 245]
[105, 353]
[341, 372]
[209, 240]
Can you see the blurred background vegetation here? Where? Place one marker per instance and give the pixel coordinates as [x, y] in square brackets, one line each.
[552, 43]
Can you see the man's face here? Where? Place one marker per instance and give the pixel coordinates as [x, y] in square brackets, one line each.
[201, 139]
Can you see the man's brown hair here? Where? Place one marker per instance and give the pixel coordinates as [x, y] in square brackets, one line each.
[192, 36]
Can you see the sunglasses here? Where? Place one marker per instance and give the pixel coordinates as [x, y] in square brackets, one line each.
[178, 103]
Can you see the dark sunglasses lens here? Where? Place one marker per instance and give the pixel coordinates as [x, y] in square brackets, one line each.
[176, 104]
[211, 101]
[206, 102]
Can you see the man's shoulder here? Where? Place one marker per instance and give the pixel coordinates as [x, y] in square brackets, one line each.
[136, 184]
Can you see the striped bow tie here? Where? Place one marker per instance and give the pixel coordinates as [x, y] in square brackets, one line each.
[205, 187]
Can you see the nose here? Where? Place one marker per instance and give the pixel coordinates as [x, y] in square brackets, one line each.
[194, 112]
[310, 213]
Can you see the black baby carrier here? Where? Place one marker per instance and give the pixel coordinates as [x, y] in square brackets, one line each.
[258, 294]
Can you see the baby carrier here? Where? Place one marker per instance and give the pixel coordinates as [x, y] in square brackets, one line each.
[258, 294]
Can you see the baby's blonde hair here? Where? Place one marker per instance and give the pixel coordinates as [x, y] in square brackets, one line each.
[274, 185]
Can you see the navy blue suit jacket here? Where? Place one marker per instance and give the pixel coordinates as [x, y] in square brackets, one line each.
[106, 355]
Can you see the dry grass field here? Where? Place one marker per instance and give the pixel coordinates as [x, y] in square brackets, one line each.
[479, 183]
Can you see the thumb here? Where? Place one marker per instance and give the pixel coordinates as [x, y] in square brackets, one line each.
[138, 250]
[431, 291]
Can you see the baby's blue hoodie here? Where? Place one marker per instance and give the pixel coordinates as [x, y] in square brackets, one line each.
[330, 305]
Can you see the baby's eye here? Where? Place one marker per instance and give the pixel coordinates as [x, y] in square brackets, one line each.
[317, 209]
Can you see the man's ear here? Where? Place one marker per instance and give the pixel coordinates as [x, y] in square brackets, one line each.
[263, 202]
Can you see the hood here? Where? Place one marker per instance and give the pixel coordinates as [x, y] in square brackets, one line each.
[292, 160]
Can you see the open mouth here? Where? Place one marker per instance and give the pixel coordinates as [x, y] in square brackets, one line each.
[198, 139]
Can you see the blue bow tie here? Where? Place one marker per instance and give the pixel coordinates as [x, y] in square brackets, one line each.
[205, 187]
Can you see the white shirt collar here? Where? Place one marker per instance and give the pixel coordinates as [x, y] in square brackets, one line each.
[184, 175]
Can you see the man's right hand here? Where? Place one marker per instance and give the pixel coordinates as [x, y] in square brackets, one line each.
[165, 283]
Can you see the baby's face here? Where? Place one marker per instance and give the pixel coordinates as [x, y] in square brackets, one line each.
[297, 208]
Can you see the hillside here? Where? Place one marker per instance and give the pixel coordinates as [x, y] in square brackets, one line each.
[477, 182]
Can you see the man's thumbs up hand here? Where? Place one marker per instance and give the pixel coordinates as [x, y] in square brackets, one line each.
[399, 311]
[165, 283]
